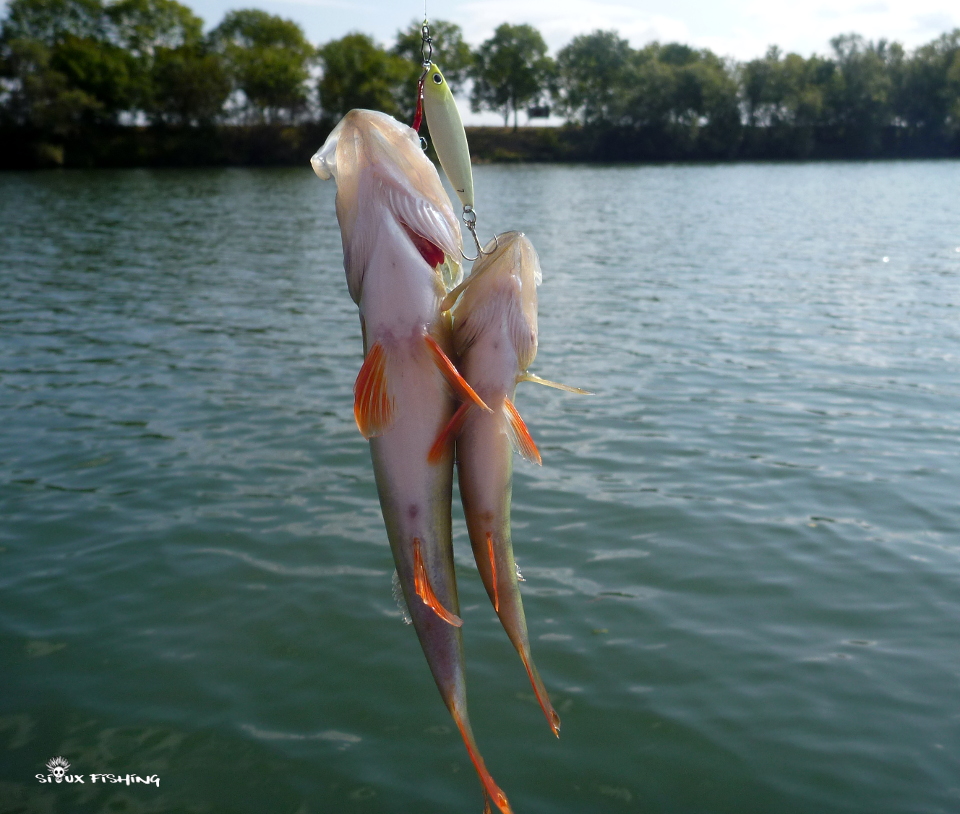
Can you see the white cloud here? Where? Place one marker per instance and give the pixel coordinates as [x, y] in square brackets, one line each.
[562, 20]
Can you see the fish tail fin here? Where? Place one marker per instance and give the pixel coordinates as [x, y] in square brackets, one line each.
[519, 434]
[541, 692]
[449, 433]
[372, 402]
[460, 387]
[490, 788]
[421, 583]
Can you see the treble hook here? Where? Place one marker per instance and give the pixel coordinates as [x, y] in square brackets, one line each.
[470, 221]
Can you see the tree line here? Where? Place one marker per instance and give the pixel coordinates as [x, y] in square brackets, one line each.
[70, 66]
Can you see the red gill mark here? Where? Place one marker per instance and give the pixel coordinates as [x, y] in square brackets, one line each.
[429, 251]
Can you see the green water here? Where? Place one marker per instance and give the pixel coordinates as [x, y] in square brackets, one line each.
[742, 555]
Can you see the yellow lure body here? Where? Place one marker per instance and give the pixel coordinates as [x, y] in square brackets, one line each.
[447, 133]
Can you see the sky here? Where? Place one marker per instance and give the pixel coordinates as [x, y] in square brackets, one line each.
[742, 29]
[739, 28]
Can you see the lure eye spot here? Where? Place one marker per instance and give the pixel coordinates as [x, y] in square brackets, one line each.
[437, 79]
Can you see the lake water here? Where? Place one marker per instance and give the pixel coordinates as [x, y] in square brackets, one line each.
[742, 554]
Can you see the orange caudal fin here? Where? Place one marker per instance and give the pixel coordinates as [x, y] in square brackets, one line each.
[493, 572]
[421, 583]
[541, 692]
[490, 788]
[463, 390]
[372, 403]
[449, 433]
[519, 434]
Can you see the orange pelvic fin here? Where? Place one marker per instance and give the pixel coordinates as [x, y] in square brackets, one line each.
[463, 390]
[421, 582]
[490, 788]
[449, 433]
[372, 404]
[493, 572]
[519, 434]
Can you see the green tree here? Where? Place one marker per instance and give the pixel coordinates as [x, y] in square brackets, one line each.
[40, 97]
[60, 58]
[179, 79]
[450, 53]
[358, 73]
[858, 98]
[268, 59]
[928, 95]
[511, 69]
[188, 85]
[50, 21]
[592, 78]
[101, 69]
[686, 100]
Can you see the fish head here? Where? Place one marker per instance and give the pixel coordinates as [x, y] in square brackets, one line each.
[501, 290]
[381, 172]
[435, 87]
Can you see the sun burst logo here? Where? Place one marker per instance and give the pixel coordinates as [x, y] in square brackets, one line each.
[58, 768]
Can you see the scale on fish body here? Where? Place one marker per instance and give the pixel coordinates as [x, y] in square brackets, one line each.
[435, 100]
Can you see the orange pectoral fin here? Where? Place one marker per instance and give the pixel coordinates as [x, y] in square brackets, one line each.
[449, 433]
[372, 404]
[421, 583]
[463, 390]
[519, 434]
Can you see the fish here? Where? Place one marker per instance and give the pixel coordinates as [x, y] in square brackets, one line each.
[401, 250]
[449, 137]
[495, 335]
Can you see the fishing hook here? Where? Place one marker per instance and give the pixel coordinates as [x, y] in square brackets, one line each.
[470, 221]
